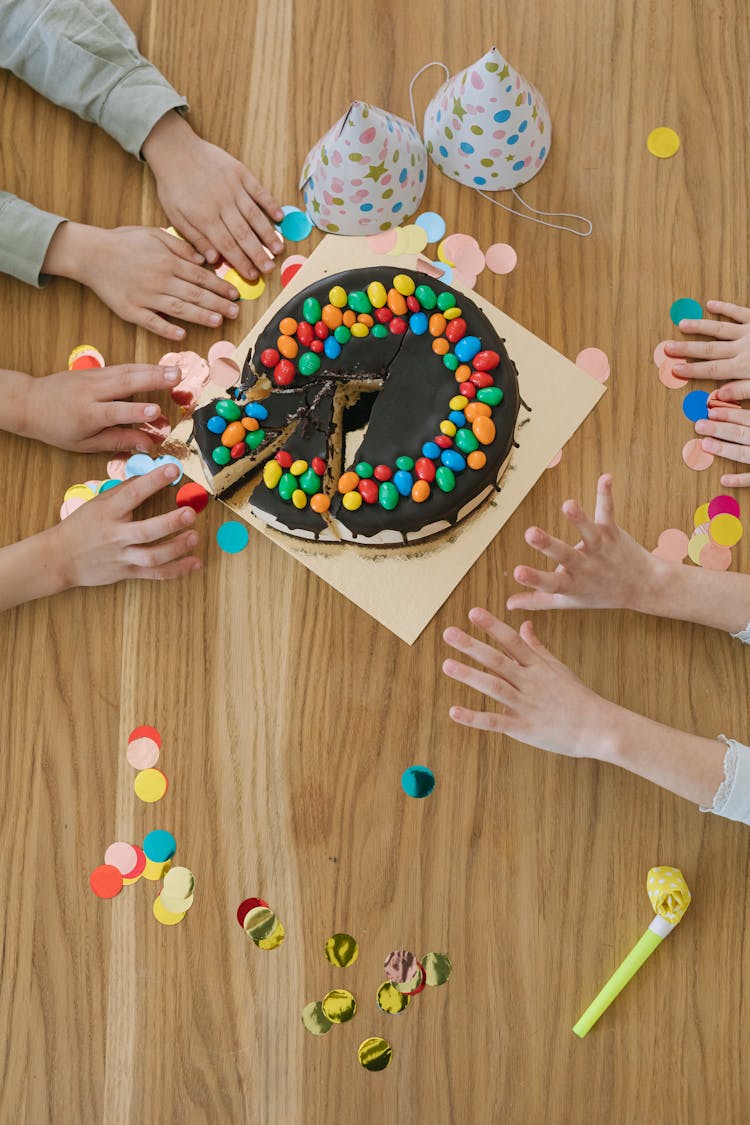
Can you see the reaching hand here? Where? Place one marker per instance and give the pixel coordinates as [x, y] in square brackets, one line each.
[86, 411]
[726, 433]
[725, 356]
[603, 571]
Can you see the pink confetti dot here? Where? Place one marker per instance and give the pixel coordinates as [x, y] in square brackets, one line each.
[122, 856]
[673, 544]
[222, 349]
[660, 353]
[715, 557]
[595, 363]
[668, 377]
[224, 373]
[501, 258]
[721, 504]
[695, 456]
[382, 242]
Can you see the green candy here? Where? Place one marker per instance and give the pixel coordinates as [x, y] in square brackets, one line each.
[287, 485]
[426, 296]
[310, 482]
[363, 469]
[378, 330]
[446, 301]
[465, 441]
[255, 438]
[405, 463]
[446, 481]
[490, 396]
[308, 363]
[221, 455]
[388, 496]
[228, 410]
[311, 310]
[359, 302]
[450, 361]
[342, 334]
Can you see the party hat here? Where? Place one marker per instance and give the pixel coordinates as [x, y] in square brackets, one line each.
[366, 174]
[487, 126]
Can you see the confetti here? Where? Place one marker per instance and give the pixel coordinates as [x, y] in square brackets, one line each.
[140, 464]
[193, 496]
[143, 753]
[145, 731]
[159, 845]
[714, 557]
[150, 785]
[232, 537]
[140, 865]
[84, 357]
[595, 363]
[463, 252]
[556, 460]
[123, 856]
[246, 906]
[105, 881]
[725, 529]
[695, 405]
[165, 916]
[248, 290]
[415, 985]
[341, 950]
[660, 353]
[400, 966]
[668, 377]
[177, 893]
[695, 456]
[685, 308]
[261, 924]
[432, 224]
[721, 504]
[295, 226]
[417, 781]
[116, 467]
[500, 257]
[701, 516]
[382, 242]
[155, 871]
[290, 266]
[390, 1000]
[339, 1005]
[697, 542]
[437, 969]
[375, 1053]
[672, 545]
[314, 1018]
[663, 142]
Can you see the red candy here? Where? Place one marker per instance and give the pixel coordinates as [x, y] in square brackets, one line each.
[316, 346]
[270, 357]
[425, 469]
[305, 333]
[321, 330]
[397, 326]
[192, 496]
[481, 379]
[443, 441]
[456, 330]
[238, 450]
[285, 459]
[284, 372]
[413, 304]
[383, 315]
[485, 361]
[369, 491]
[319, 465]
[382, 472]
[468, 390]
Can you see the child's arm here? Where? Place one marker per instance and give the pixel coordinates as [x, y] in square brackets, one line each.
[545, 705]
[84, 411]
[609, 570]
[100, 543]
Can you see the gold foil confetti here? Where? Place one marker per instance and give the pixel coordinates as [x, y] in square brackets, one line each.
[400, 966]
[314, 1019]
[437, 968]
[390, 1000]
[339, 1005]
[375, 1053]
[342, 950]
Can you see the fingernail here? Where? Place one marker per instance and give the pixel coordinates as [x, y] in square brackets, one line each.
[267, 267]
[171, 374]
[701, 427]
[215, 318]
[277, 245]
[233, 294]
[234, 311]
[679, 366]
[192, 540]
[212, 256]
[143, 448]
[180, 333]
[171, 472]
[188, 516]
[150, 411]
[197, 565]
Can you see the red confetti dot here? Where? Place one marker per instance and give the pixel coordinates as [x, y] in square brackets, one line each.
[83, 362]
[145, 732]
[246, 906]
[289, 272]
[105, 881]
[192, 496]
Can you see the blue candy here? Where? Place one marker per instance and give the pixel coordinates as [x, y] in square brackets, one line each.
[453, 460]
[332, 347]
[256, 410]
[431, 449]
[467, 348]
[458, 418]
[418, 323]
[403, 481]
[216, 424]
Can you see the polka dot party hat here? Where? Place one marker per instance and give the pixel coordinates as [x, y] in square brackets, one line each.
[487, 126]
[367, 174]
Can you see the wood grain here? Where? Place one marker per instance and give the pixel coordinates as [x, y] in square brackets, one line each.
[288, 715]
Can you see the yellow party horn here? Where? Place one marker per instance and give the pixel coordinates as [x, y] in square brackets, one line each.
[670, 898]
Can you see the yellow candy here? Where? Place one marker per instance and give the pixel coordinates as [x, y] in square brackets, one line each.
[458, 402]
[377, 294]
[272, 473]
[298, 468]
[451, 314]
[337, 296]
[359, 330]
[403, 284]
[299, 498]
[352, 501]
[447, 428]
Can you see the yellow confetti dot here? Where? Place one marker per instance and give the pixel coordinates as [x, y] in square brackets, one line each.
[315, 1020]
[339, 1005]
[150, 785]
[155, 871]
[437, 968]
[390, 1000]
[248, 290]
[375, 1053]
[165, 916]
[442, 256]
[341, 950]
[274, 939]
[79, 491]
[701, 515]
[725, 529]
[663, 142]
[696, 545]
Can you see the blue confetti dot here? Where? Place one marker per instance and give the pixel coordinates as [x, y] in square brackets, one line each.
[295, 226]
[695, 405]
[417, 781]
[432, 224]
[159, 845]
[106, 485]
[502, 115]
[685, 308]
[232, 537]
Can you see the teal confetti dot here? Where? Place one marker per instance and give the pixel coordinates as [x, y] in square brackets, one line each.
[417, 781]
[685, 308]
[232, 537]
[295, 226]
[159, 845]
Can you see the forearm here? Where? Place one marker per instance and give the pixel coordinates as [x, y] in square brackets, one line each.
[707, 597]
[29, 570]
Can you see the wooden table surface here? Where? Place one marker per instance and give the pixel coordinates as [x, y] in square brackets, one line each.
[288, 715]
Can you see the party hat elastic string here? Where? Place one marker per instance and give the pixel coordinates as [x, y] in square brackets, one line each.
[550, 214]
[421, 70]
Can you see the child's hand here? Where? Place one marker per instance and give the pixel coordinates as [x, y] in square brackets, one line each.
[605, 570]
[85, 411]
[543, 703]
[212, 199]
[100, 542]
[725, 356]
[726, 433]
[143, 274]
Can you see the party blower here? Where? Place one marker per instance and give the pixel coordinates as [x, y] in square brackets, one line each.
[670, 898]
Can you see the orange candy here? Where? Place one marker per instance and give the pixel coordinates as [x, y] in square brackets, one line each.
[484, 430]
[349, 318]
[437, 324]
[320, 503]
[476, 460]
[288, 346]
[477, 410]
[348, 482]
[440, 346]
[331, 316]
[365, 318]
[462, 373]
[288, 326]
[420, 491]
[396, 302]
[234, 432]
[250, 424]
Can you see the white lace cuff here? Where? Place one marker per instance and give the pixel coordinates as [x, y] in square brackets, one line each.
[732, 798]
[743, 635]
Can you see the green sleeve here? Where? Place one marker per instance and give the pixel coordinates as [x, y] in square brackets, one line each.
[25, 234]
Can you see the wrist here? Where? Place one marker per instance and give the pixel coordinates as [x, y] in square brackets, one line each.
[54, 558]
[70, 249]
[166, 141]
[650, 589]
[16, 410]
